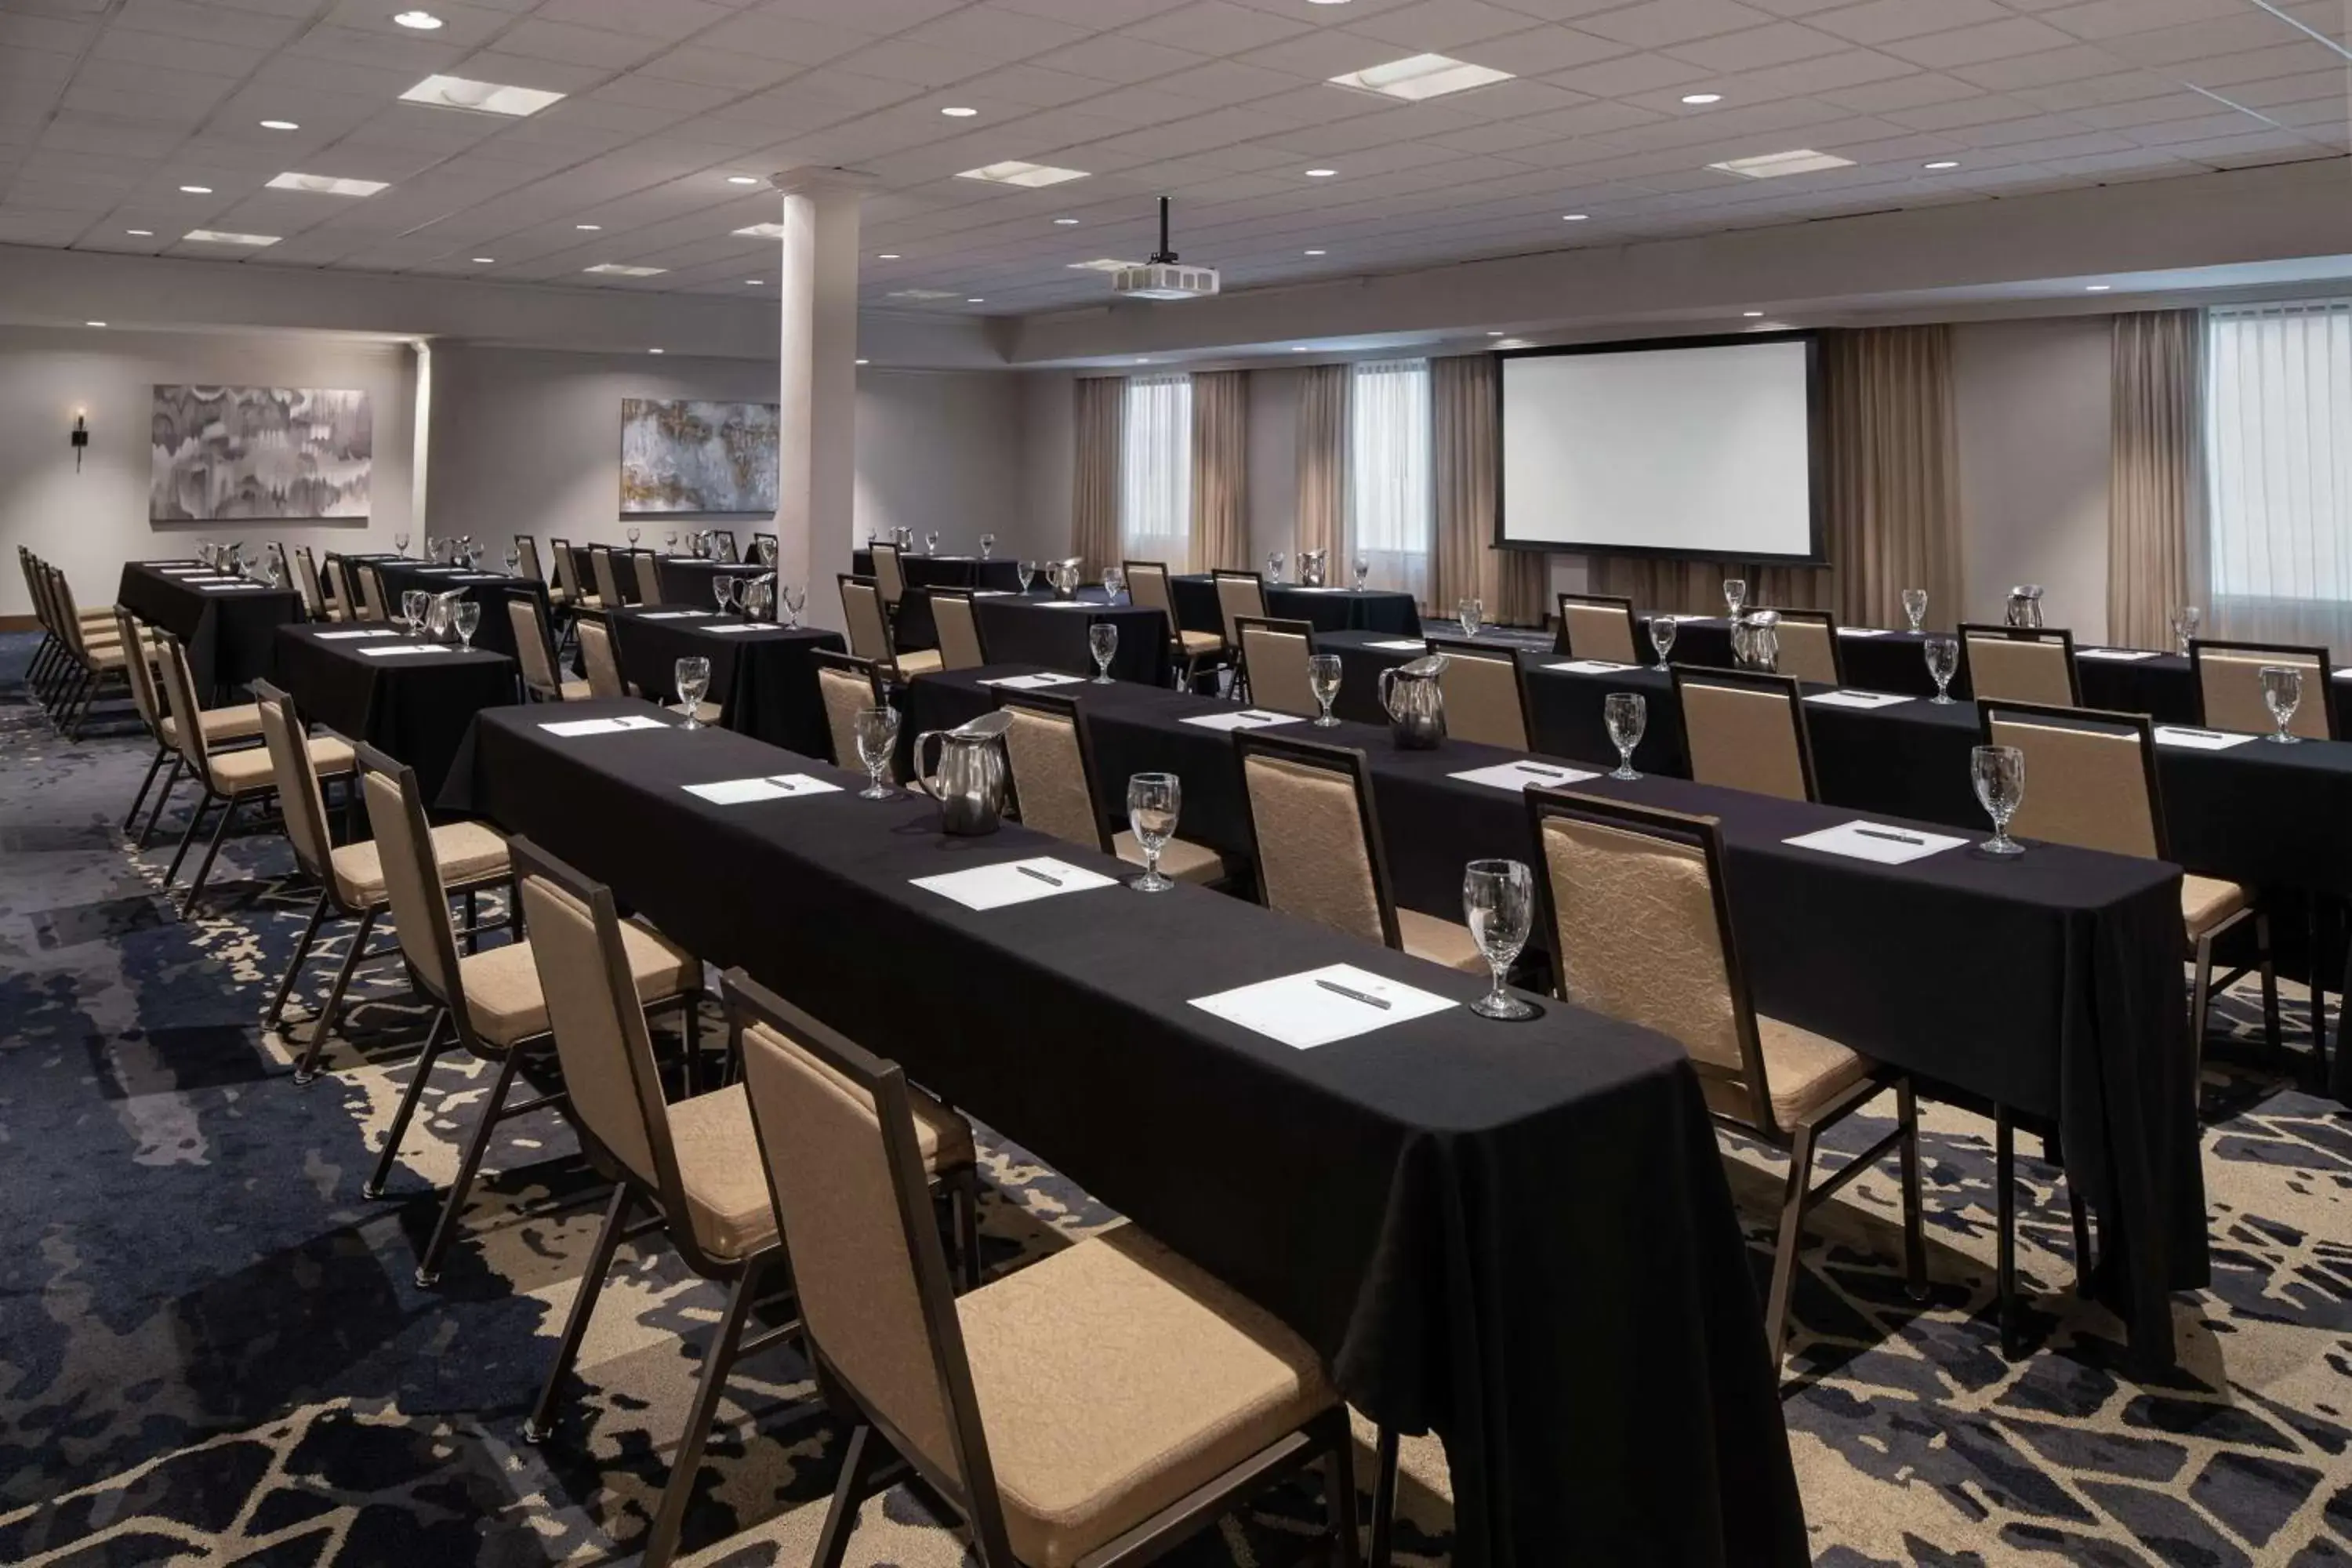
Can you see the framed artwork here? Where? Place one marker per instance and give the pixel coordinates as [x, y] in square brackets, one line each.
[259, 452]
[692, 457]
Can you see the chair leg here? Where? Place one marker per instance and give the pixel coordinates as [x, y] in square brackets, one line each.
[196, 889]
[1384, 1491]
[187, 837]
[428, 1267]
[2080, 1217]
[324, 1025]
[2200, 1001]
[1791, 1239]
[1339, 1491]
[964, 1197]
[2269, 985]
[1915, 1240]
[294, 965]
[163, 798]
[415, 1092]
[848, 1496]
[2319, 991]
[661, 1542]
[2004, 1179]
[147, 784]
[541, 1420]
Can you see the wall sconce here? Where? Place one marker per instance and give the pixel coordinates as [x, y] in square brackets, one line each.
[80, 435]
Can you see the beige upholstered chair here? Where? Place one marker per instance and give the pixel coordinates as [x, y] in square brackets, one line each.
[1096, 1408]
[1486, 696]
[93, 648]
[543, 677]
[693, 1164]
[373, 606]
[223, 726]
[2230, 687]
[1746, 730]
[1239, 593]
[2019, 663]
[1148, 585]
[959, 629]
[1597, 626]
[889, 575]
[526, 557]
[490, 1002]
[314, 598]
[1274, 656]
[1051, 755]
[1809, 647]
[1639, 923]
[869, 632]
[601, 660]
[471, 857]
[1315, 832]
[648, 575]
[561, 591]
[608, 585]
[848, 685]
[341, 594]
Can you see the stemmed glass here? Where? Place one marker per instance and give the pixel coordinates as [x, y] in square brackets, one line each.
[1102, 641]
[1735, 595]
[987, 545]
[1498, 906]
[2184, 622]
[1999, 775]
[1153, 804]
[400, 543]
[1663, 630]
[1362, 569]
[723, 590]
[1113, 580]
[877, 739]
[692, 676]
[1274, 567]
[1627, 714]
[1943, 660]
[1323, 672]
[932, 542]
[1915, 607]
[1472, 614]
[514, 559]
[766, 549]
[2282, 694]
[1025, 574]
[794, 599]
[414, 603]
[465, 617]
[670, 540]
[635, 531]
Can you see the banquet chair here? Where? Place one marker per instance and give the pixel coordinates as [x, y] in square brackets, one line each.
[692, 1166]
[231, 780]
[649, 574]
[1746, 730]
[490, 1002]
[598, 657]
[1051, 755]
[1486, 694]
[53, 670]
[959, 628]
[339, 594]
[95, 653]
[578, 596]
[889, 575]
[1638, 920]
[470, 855]
[542, 674]
[1148, 585]
[723, 546]
[526, 557]
[561, 591]
[371, 600]
[869, 632]
[1597, 626]
[306, 581]
[608, 585]
[222, 725]
[1098, 1407]
[2229, 677]
[759, 539]
[848, 685]
[1315, 834]
[1239, 593]
[2020, 664]
[1809, 647]
[1273, 663]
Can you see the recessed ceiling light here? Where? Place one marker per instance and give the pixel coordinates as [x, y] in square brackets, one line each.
[865, 362]
[1699, 99]
[958, 112]
[2096, 287]
[1320, 174]
[1773, 165]
[279, 125]
[1102, 264]
[763, 231]
[1013, 172]
[921, 294]
[589, 227]
[1494, 334]
[93, 323]
[1144, 362]
[1299, 348]
[656, 351]
[196, 190]
[222, 236]
[1313, 253]
[485, 260]
[141, 233]
[887, 256]
[975, 299]
[1574, 218]
[1752, 315]
[326, 185]
[1066, 222]
[479, 97]
[620, 269]
[423, 21]
[1418, 77]
[753, 282]
[1942, 163]
[742, 179]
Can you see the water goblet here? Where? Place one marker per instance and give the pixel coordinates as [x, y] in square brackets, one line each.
[692, 678]
[1663, 630]
[1025, 574]
[1102, 641]
[932, 542]
[513, 559]
[414, 603]
[1627, 714]
[465, 616]
[2184, 622]
[877, 730]
[1735, 595]
[767, 549]
[1153, 804]
[1274, 567]
[2282, 694]
[670, 540]
[1498, 906]
[400, 543]
[1323, 673]
[1472, 614]
[1999, 775]
[794, 599]
[1113, 580]
[1943, 660]
[1915, 607]
[723, 590]
[1362, 570]
[987, 545]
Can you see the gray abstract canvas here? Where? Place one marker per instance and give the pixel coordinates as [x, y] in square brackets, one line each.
[259, 452]
[686, 455]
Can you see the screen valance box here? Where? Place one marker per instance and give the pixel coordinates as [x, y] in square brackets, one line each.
[685, 456]
[255, 452]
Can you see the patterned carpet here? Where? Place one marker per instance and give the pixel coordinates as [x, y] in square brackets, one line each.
[212, 1349]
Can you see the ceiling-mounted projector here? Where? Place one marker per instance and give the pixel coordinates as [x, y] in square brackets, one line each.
[1161, 278]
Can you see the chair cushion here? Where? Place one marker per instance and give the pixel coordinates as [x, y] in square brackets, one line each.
[1806, 1071]
[1440, 942]
[1199, 643]
[2206, 901]
[503, 997]
[467, 852]
[577, 691]
[249, 771]
[101, 655]
[1113, 1379]
[240, 723]
[1182, 858]
[923, 661]
[589, 601]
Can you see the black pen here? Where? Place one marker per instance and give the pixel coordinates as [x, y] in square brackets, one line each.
[2198, 734]
[1352, 995]
[1538, 768]
[1881, 833]
[1033, 871]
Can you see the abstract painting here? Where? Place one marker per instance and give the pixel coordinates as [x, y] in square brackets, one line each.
[685, 456]
[259, 451]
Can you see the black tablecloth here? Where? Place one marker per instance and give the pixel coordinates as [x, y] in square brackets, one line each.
[764, 682]
[1521, 1236]
[625, 572]
[227, 631]
[415, 707]
[488, 589]
[2050, 983]
[685, 579]
[1328, 609]
[946, 571]
[1017, 628]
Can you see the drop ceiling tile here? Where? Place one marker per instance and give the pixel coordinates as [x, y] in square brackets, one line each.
[2209, 128]
[1024, 86]
[1829, 73]
[1976, 45]
[725, 73]
[1099, 16]
[671, 21]
[769, 37]
[1542, 51]
[1659, 24]
[1778, 44]
[492, 65]
[1914, 90]
[1438, 26]
[2261, 64]
[1629, 74]
[2071, 64]
[1885, 21]
[990, 35]
[1219, 27]
[2249, 28]
[2113, 18]
[1118, 58]
[1990, 108]
[567, 44]
[877, 16]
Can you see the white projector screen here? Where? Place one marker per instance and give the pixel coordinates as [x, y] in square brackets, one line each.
[1704, 450]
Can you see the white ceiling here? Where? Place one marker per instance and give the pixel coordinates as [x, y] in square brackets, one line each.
[107, 107]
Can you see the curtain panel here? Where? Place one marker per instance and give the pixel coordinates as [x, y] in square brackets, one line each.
[1323, 452]
[2156, 471]
[1390, 492]
[1221, 471]
[1101, 420]
[1464, 449]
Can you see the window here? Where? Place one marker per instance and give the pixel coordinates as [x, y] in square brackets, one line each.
[2278, 405]
[1155, 504]
[1389, 492]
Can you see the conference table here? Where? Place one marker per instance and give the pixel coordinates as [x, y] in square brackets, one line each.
[2049, 985]
[1038, 628]
[411, 699]
[946, 571]
[489, 590]
[1326, 609]
[225, 622]
[686, 579]
[1519, 1234]
[762, 676]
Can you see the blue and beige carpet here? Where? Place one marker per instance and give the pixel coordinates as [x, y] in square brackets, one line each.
[212, 1349]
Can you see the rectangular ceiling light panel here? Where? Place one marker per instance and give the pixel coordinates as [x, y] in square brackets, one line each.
[222, 236]
[1016, 172]
[326, 185]
[479, 97]
[1420, 77]
[615, 269]
[1773, 165]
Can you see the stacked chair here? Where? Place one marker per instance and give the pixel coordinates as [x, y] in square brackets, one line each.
[81, 653]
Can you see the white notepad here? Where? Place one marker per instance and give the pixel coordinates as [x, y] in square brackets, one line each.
[776, 786]
[1400, 644]
[2117, 653]
[1013, 882]
[1034, 682]
[1862, 631]
[1303, 1011]
[1879, 841]
[2197, 740]
[1524, 775]
[340, 637]
[571, 727]
[741, 627]
[675, 615]
[404, 648]
[1592, 666]
[1857, 698]
[1247, 718]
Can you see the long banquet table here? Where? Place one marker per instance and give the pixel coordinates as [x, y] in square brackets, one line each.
[226, 627]
[2050, 983]
[488, 589]
[414, 705]
[761, 674]
[1334, 609]
[1519, 1234]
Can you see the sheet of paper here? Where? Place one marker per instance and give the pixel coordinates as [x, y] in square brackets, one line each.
[2197, 740]
[1857, 698]
[1882, 842]
[1400, 644]
[992, 593]
[405, 649]
[1524, 775]
[571, 727]
[2115, 653]
[1069, 604]
[1592, 667]
[1315, 1007]
[476, 577]
[775, 786]
[229, 587]
[739, 626]
[1244, 718]
[343, 637]
[1863, 632]
[1303, 588]
[1034, 682]
[676, 616]
[1013, 882]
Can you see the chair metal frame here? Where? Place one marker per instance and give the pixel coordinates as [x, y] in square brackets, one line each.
[866, 670]
[1281, 628]
[532, 693]
[1345, 761]
[2318, 654]
[1786, 686]
[1828, 622]
[1183, 663]
[2061, 635]
[850, 582]
[961, 597]
[1562, 646]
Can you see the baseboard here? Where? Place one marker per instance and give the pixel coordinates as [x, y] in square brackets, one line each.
[19, 624]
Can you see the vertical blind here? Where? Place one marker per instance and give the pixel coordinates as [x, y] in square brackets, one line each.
[1155, 513]
[1390, 492]
[2279, 513]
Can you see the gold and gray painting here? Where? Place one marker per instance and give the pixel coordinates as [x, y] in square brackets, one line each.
[259, 452]
[690, 457]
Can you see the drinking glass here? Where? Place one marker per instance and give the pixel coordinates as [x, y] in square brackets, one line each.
[413, 604]
[1025, 574]
[670, 540]
[1102, 641]
[1472, 614]
[1153, 803]
[1915, 607]
[1113, 580]
[514, 559]
[1274, 567]
[1323, 672]
[877, 739]
[1363, 570]
[1627, 714]
[269, 569]
[1943, 660]
[634, 532]
[1498, 906]
[1735, 595]
[692, 676]
[723, 590]
[2184, 622]
[932, 542]
[767, 552]
[400, 543]
[467, 616]
[1662, 637]
[1999, 775]
[794, 599]
[2282, 694]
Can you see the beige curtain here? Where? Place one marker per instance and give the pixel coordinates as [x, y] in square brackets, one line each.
[1463, 391]
[1323, 461]
[2156, 479]
[1221, 471]
[1094, 495]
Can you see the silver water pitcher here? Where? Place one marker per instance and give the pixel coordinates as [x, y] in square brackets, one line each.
[1311, 563]
[2024, 607]
[1756, 641]
[443, 611]
[968, 779]
[1415, 701]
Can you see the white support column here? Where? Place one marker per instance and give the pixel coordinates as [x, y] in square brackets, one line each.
[816, 371]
